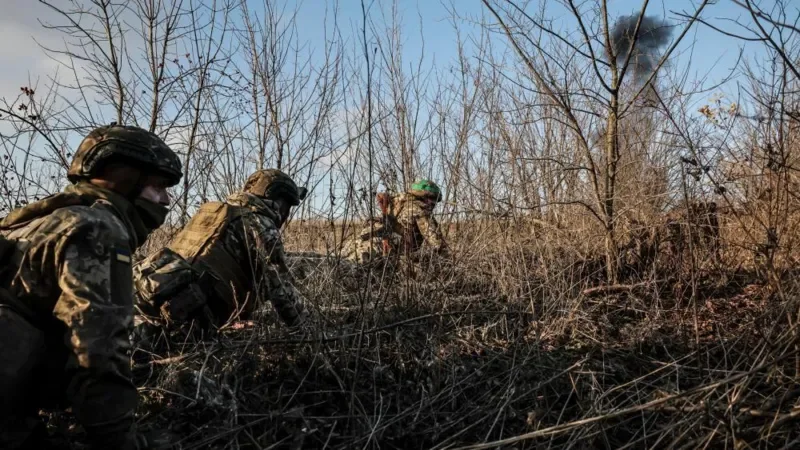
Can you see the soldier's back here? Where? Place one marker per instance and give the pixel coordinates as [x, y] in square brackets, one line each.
[43, 243]
[227, 238]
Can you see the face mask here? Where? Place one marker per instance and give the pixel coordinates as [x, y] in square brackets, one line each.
[286, 211]
[153, 215]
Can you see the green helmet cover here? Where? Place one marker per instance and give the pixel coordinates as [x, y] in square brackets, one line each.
[426, 189]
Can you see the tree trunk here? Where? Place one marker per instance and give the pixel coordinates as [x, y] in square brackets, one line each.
[612, 157]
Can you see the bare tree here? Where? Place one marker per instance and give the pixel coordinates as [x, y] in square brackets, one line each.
[609, 55]
[292, 89]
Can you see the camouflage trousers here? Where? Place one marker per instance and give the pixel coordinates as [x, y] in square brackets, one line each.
[29, 380]
[365, 250]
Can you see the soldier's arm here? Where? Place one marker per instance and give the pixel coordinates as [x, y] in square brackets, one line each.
[429, 227]
[276, 282]
[96, 306]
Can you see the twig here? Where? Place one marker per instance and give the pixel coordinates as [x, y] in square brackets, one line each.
[388, 327]
[612, 415]
[612, 289]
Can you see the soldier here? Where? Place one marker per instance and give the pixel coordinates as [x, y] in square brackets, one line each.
[66, 291]
[406, 225]
[236, 247]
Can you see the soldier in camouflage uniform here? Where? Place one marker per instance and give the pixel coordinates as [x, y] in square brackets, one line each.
[406, 225]
[66, 291]
[236, 246]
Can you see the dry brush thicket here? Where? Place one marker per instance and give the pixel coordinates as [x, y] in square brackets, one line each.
[624, 238]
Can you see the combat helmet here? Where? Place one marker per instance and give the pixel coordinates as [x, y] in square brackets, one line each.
[272, 183]
[125, 144]
[426, 189]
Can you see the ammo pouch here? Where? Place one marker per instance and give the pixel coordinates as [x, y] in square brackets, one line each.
[167, 285]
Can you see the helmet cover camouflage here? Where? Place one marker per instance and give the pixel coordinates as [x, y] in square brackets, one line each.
[426, 189]
[124, 144]
[272, 183]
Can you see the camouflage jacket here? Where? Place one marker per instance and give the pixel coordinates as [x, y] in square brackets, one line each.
[242, 247]
[416, 222]
[409, 225]
[71, 278]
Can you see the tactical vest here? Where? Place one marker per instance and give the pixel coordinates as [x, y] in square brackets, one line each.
[200, 244]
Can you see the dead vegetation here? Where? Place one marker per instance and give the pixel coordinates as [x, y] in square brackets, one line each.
[505, 350]
[624, 231]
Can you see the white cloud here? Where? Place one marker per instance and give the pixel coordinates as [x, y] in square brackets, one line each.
[21, 57]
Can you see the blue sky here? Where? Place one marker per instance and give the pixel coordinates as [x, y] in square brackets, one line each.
[432, 21]
[428, 20]
[423, 21]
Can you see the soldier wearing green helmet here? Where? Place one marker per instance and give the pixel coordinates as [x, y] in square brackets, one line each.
[66, 292]
[407, 224]
[235, 243]
[426, 190]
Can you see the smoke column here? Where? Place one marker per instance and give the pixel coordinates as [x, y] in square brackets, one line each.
[654, 33]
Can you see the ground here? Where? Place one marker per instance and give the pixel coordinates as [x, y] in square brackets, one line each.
[443, 358]
[489, 349]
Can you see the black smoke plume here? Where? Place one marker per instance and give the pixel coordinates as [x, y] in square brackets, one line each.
[654, 33]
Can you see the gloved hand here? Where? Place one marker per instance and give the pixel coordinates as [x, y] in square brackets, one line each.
[184, 304]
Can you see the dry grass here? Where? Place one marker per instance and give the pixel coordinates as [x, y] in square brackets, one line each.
[497, 348]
